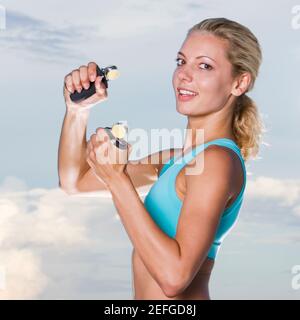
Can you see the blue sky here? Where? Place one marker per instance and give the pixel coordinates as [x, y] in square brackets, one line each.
[39, 46]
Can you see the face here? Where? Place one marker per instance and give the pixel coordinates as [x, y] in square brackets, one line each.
[204, 69]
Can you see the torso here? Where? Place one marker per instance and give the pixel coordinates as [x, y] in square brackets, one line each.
[145, 287]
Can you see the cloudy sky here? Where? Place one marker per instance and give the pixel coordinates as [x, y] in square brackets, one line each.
[56, 246]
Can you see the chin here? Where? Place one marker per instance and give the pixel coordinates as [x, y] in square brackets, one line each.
[185, 109]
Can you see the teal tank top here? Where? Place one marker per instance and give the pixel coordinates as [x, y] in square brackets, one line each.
[164, 205]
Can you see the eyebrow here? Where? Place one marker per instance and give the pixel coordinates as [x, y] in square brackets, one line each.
[197, 57]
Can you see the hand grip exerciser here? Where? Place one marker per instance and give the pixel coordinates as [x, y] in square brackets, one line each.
[117, 133]
[108, 73]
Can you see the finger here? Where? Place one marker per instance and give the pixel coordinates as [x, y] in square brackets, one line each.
[129, 148]
[91, 164]
[69, 83]
[94, 140]
[103, 151]
[101, 154]
[100, 132]
[92, 156]
[100, 87]
[106, 151]
[76, 80]
[88, 147]
[114, 153]
[104, 135]
[83, 72]
[92, 71]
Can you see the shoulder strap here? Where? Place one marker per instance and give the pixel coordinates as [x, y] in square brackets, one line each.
[182, 161]
[167, 165]
[195, 151]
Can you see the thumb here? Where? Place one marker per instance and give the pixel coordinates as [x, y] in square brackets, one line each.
[67, 95]
[100, 86]
[129, 148]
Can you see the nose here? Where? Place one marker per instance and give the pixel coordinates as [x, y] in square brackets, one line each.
[185, 73]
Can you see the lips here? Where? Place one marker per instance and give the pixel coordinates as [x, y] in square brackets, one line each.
[185, 97]
[186, 89]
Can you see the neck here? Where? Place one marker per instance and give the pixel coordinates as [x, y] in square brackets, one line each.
[209, 127]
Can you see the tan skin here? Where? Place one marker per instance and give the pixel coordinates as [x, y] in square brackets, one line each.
[164, 268]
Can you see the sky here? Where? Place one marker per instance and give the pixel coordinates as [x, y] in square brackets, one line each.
[55, 246]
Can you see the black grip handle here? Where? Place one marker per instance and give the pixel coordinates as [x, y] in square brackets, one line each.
[86, 93]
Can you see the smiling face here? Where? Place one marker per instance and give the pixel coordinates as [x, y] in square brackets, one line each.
[209, 75]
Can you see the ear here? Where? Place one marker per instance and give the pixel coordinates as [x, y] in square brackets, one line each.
[241, 84]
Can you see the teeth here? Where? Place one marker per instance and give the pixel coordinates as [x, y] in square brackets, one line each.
[187, 92]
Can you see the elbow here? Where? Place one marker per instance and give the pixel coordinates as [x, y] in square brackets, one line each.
[67, 189]
[175, 286]
[173, 290]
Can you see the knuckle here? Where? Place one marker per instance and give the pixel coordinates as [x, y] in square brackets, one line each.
[75, 72]
[92, 64]
[93, 138]
[91, 74]
[67, 77]
[99, 130]
[100, 95]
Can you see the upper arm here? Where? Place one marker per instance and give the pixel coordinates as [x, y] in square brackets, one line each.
[206, 196]
[142, 172]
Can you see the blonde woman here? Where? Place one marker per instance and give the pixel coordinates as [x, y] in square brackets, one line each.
[178, 230]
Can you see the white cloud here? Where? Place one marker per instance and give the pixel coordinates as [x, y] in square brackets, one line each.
[24, 278]
[287, 191]
[13, 184]
[41, 219]
[47, 222]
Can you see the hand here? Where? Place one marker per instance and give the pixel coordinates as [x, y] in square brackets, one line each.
[106, 160]
[80, 79]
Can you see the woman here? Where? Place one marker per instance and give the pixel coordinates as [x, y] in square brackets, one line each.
[177, 232]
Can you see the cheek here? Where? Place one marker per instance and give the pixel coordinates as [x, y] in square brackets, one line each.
[210, 83]
[214, 91]
[214, 86]
[174, 79]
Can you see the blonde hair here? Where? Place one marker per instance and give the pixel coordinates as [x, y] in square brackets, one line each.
[244, 53]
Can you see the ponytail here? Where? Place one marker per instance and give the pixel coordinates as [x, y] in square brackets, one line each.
[247, 126]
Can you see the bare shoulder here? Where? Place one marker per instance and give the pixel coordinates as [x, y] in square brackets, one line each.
[217, 167]
[217, 157]
[227, 158]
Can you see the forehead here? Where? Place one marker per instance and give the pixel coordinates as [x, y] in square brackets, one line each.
[197, 44]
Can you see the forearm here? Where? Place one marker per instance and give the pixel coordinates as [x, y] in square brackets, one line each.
[159, 252]
[72, 147]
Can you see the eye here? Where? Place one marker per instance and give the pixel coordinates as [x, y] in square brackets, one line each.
[206, 66]
[177, 60]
